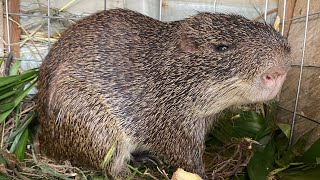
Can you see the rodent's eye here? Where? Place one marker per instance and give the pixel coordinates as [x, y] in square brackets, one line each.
[222, 47]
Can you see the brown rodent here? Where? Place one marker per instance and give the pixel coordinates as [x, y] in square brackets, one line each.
[121, 79]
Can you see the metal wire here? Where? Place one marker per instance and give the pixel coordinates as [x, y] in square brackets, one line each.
[8, 27]
[160, 11]
[301, 17]
[301, 115]
[51, 17]
[283, 15]
[265, 10]
[49, 25]
[215, 5]
[293, 122]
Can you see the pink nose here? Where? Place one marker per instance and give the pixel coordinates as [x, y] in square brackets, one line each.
[273, 77]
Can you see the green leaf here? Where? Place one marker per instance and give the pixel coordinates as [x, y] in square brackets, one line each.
[8, 94]
[239, 124]
[224, 130]
[4, 177]
[16, 101]
[17, 117]
[271, 112]
[282, 144]
[285, 128]
[14, 68]
[1, 60]
[12, 87]
[303, 174]
[108, 156]
[312, 155]
[21, 146]
[12, 79]
[296, 150]
[4, 115]
[249, 124]
[299, 147]
[6, 106]
[262, 162]
[21, 128]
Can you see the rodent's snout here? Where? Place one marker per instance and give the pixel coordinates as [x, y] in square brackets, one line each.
[274, 77]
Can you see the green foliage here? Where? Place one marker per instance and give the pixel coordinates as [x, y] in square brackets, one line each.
[273, 158]
[13, 89]
[20, 139]
[262, 161]
[108, 156]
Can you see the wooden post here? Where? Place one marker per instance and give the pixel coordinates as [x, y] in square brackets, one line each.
[289, 14]
[15, 31]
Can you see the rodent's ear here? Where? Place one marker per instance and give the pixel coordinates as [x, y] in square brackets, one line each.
[189, 39]
[189, 44]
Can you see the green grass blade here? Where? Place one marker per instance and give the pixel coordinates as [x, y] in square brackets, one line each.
[4, 115]
[108, 156]
[1, 60]
[14, 68]
[21, 145]
[12, 79]
[16, 101]
[17, 117]
[6, 106]
[15, 142]
[8, 94]
[21, 128]
[8, 80]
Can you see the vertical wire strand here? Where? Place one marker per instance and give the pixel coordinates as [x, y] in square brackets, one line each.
[283, 15]
[265, 10]
[49, 25]
[300, 74]
[215, 5]
[160, 11]
[105, 5]
[8, 28]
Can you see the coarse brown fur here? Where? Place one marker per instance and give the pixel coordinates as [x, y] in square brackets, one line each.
[119, 78]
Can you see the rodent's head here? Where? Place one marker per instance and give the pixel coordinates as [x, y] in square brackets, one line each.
[248, 59]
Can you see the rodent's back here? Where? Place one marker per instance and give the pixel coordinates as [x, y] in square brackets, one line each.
[116, 38]
[94, 83]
